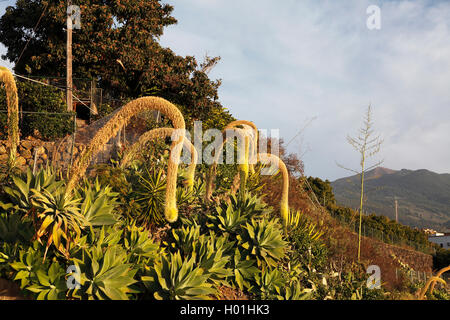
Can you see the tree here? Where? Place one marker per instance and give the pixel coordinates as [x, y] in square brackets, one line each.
[117, 45]
[367, 146]
[322, 190]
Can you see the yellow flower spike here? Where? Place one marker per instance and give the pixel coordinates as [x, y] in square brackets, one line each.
[284, 203]
[212, 171]
[247, 124]
[119, 119]
[431, 280]
[12, 102]
[438, 274]
[157, 134]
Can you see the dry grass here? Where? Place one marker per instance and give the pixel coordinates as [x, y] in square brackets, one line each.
[121, 119]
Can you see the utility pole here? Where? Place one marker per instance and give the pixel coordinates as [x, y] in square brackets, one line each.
[396, 209]
[69, 83]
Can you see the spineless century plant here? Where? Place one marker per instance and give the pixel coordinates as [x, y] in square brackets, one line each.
[121, 119]
[438, 274]
[284, 202]
[367, 146]
[253, 150]
[242, 136]
[159, 133]
[12, 102]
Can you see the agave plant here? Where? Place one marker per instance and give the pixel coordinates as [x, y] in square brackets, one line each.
[105, 274]
[20, 193]
[175, 278]
[230, 216]
[210, 252]
[120, 119]
[262, 239]
[14, 228]
[98, 205]
[59, 218]
[149, 194]
[50, 284]
[244, 271]
[268, 283]
[139, 245]
[294, 291]
[299, 223]
[28, 264]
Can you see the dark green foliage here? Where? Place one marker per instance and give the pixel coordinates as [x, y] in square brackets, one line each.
[53, 121]
[383, 228]
[322, 190]
[441, 259]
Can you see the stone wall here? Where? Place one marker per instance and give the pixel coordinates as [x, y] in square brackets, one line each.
[31, 148]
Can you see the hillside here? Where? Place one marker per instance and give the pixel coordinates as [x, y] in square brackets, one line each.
[423, 196]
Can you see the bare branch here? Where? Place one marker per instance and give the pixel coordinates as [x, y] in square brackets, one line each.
[341, 166]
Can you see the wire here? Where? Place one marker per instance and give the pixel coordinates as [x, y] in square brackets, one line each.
[34, 29]
[49, 85]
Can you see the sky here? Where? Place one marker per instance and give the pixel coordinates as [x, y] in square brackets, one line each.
[311, 68]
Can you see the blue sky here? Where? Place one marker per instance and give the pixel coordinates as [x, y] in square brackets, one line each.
[289, 63]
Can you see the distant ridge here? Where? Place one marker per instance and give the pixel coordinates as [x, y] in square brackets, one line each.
[423, 196]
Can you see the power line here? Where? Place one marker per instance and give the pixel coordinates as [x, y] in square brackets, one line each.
[34, 30]
[49, 85]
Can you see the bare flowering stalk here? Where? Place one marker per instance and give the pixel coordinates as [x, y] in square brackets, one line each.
[121, 119]
[367, 146]
[159, 133]
[12, 102]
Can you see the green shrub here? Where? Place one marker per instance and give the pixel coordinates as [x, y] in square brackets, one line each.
[52, 122]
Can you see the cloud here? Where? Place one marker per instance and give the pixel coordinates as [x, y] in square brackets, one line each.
[283, 63]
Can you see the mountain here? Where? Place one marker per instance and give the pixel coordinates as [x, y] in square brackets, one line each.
[423, 196]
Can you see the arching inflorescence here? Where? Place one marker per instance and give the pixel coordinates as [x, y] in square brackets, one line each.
[159, 133]
[284, 203]
[12, 102]
[121, 119]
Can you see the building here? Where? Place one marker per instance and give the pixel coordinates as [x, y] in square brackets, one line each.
[441, 239]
